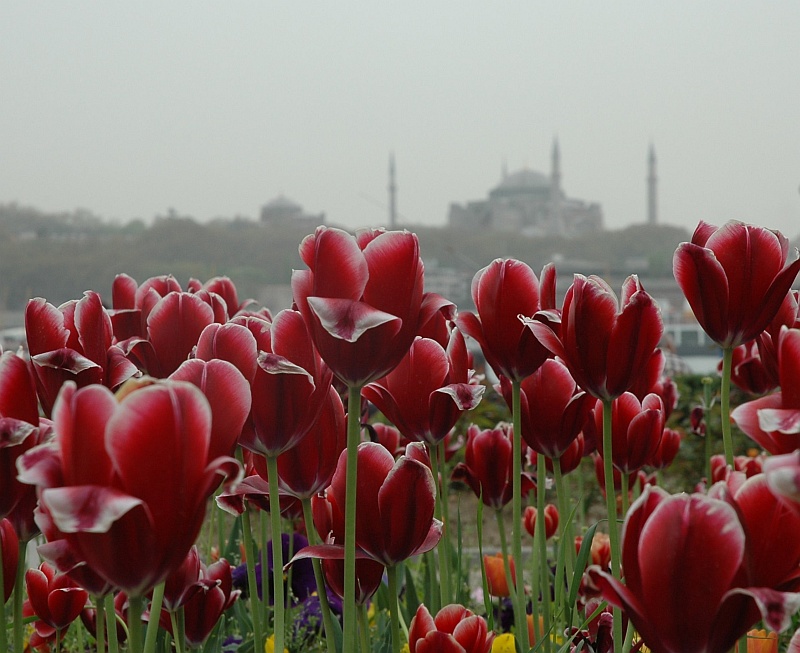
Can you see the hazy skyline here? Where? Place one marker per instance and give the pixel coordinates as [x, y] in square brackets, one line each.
[214, 109]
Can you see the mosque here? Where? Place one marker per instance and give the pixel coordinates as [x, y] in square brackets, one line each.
[530, 203]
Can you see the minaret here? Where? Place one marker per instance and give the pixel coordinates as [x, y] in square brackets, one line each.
[392, 194]
[556, 225]
[652, 183]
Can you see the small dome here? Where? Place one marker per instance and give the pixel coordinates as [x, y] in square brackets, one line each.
[524, 179]
[284, 203]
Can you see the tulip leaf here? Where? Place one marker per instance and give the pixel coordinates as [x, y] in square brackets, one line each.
[411, 596]
[580, 567]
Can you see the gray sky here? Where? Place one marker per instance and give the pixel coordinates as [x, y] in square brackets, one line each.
[214, 108]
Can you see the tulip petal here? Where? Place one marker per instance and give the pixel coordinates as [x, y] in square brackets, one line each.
[87, 508]
[348, 320]
[44, 327]
[174, 326]
[702, 279]
[465, 395]
[337, 262]
[783, 420]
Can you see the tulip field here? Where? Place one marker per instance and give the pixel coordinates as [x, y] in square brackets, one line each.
[181, 469]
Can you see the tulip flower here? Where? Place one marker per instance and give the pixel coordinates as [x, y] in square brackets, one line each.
[9, 555]
[496, 579]
[554, 409]
[119, 478]
[487, 465]
[429, 390]
[550, 520]
[774, 421]
[667, 449]
[769, 561]
[54, 598]
[362, 298]
[501, 292]
[203, 593]
[454, 629]
[685, 590]
[73, 342]
[636, 430]
[735, 278]
[605, 344]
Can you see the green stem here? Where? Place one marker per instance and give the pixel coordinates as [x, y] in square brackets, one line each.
[278, 601]
[155, 612]
[100, 624]
[519, 617]
[707, 381]
[351, 471]
[611, 508]
[624, 490]
[19, 585]
[252, 583]
[178, 619]
[313, 538]
[391, 573]
[135, 609]
[445, 583]
[261, 545]
[541, 541]
[516, 511]
[111, 623]
[725, 405]
[363, 627]
[564, 524]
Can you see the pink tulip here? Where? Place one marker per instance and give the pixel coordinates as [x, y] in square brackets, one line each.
[454, 629]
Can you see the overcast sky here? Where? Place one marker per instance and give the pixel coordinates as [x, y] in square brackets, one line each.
[214, 108]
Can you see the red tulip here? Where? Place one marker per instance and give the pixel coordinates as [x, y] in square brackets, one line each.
[394, 520]
[454, 629]
[605, 344]
[203, 592]
[119, 478]
[774, 421]
[553, 408]
[735, 278]
[636, 430]
[9, 548]
[501, 292]
[362, 299]
[667, 449]
[19, 428]
[224, 288]
[73, 342]
[653, 381]
[685, 590]
[55, 599]
[769, 561]
[488, 465]
[550, 520]
[289, 387]
[429, 390]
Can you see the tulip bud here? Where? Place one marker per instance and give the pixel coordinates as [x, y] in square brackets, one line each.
[550, 520]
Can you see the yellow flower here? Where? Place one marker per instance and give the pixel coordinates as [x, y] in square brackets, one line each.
[504, 643]
[269, 647]
[405, 649]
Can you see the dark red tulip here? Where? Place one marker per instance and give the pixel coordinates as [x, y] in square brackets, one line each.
[488, 465]
[774, 421]
[667, 449]
[289, 387]
[572, 456]
[132, 303]
[73, 342]
[735, 278]
[426, 394]
[20, 428]
[550, 520]
[636, 430]
[227, 392]
[502, 292]
[454, 629]
[222, 287]
[394, 520]
[553, 408]
[9, 547]
[55, 599]
[769, 561]
[653, 381]
[120, 478]
[685, 590]
[605, 344]
[362, 298]
[203, 592]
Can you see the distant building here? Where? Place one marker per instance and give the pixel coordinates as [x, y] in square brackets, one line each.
[652, 187]
[530, 203]
[284, 211]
